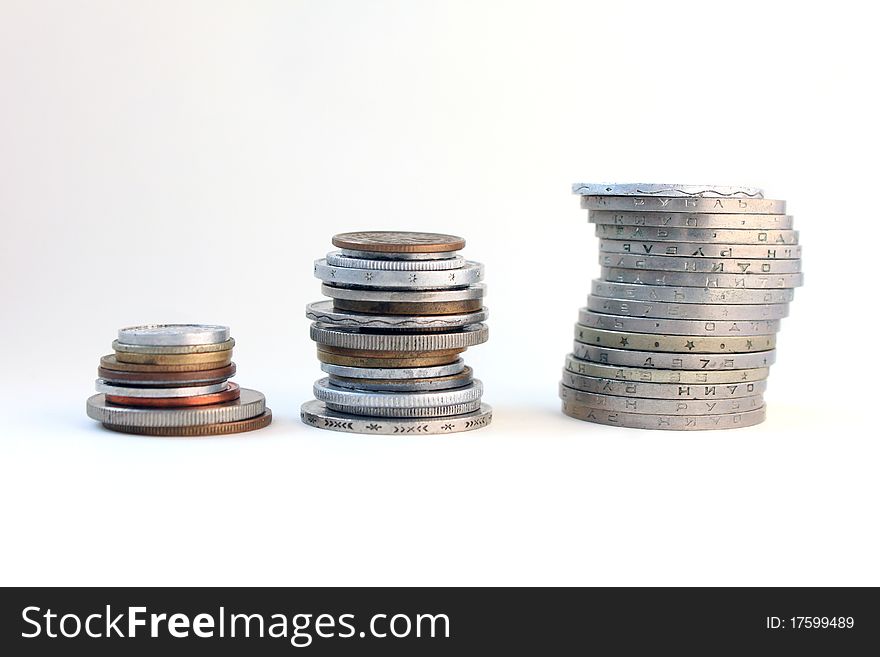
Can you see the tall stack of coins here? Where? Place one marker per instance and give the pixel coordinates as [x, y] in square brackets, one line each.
[680, 329]
[403, 308]
[173, 380]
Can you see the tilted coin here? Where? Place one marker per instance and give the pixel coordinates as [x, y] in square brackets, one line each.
[110, 362]
[330, 394]
[700, 265]
[173, 334]
[693, 220]
[755, 281]
[427, 412]
[231, 392]
[697, 250]
[217, 375]
[637, 324]
[468, 336]
[221, 429]
[691, 235]
[646, 375]
[380, 308]
[400, 373]
[744, 312]
[391, 241]
[715, 295]
[684, 204]
[214, 359]
[316, 414]
[377, 255]
[469, 274]
[324, 312]
[338, 259]
[662, 390]
[665, 422]
[250, 404]
[660, 406]
[459, 380]
[694, 344]
[119, 347]
[433, 359]
[182, 391]
[659, 360]
[396, 296]
[670, 189]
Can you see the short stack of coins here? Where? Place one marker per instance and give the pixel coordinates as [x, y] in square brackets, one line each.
[173, 380]
[679, 331]
[403, 308]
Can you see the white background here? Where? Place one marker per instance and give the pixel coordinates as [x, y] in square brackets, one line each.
[187, 161]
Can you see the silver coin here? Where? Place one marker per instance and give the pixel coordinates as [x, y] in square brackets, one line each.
[316, 414]
[670, 361]
[337, 259]
[684, 204]
[470, 274]
[249, 405]
[678, 344]
[671, 189]
[698, 235]
[381, 255]
[173, 350]
[430, 412]
[696, 250]
[666, 310]
[660, 406]
[690, 294]
[102, 385]
[699, 265]
[621, 373]
[468, 336]
[394, 296]
[460, 380]
[174, 335]
[159, 381]
[323, 312]
[662, 390]
[754, 281]
[677, 326]
[665, 422]
[396, 373]
[330, 394]
[693, 220]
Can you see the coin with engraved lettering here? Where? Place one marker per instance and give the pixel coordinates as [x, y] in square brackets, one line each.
[684, 204]
[701, 250]
[587, 317]
[660, 406]
[664, 189]
[668, 310]
[688, 344]
[665, 422]
[662, 390]
[755, 281]
[700, 265]
[648, 375]
[693, 220]
[469, 274]
[697, 235]
[712, 296]
[672, 361]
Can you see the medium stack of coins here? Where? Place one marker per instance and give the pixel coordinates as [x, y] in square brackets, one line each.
[172, 380]
[403, 308]
[680, 329]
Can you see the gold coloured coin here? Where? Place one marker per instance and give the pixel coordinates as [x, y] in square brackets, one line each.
[696, 344]
[221, 429]
[390, 241]
[428, 308]
[110, 362]
[120, 347]
[214, 358]
[372, 362]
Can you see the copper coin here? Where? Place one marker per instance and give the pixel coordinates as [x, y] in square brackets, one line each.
[220, 429]
[430, 308]
[110, 362]
[231, 393]
[202, 377]
[389, 241]
[360, 361]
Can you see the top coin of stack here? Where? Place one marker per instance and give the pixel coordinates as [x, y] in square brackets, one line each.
[172, 380]
[403, 308]
[680, 329]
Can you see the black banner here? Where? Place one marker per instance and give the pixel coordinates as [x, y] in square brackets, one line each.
[419, 621]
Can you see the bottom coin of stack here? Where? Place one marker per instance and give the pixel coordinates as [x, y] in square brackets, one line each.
[173, 380]
[404, 307]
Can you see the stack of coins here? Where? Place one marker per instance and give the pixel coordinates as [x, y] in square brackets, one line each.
[173, 380]
[403, 308]
[680, 329]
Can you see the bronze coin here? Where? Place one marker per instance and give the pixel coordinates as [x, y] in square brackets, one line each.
[110, 362]
[430, 308]
[220, 429]
[203, 377]
[231, 393]
[359, 361]
[390, 241]
[213, 358]
[368, 353]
